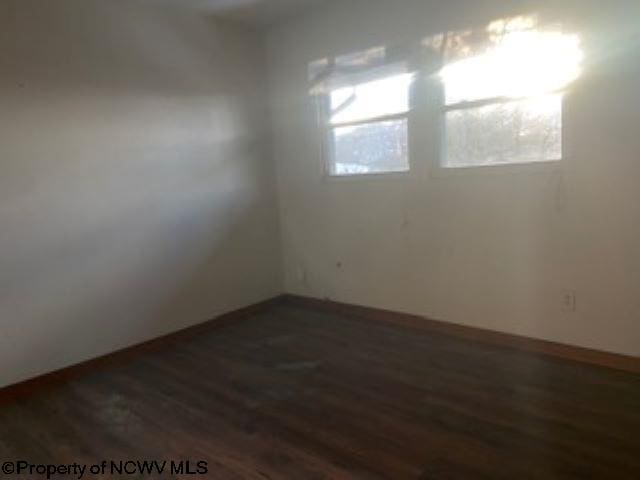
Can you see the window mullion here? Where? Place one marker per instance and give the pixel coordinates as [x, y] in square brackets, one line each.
[367, 121]
[495, 100]
[482, 103]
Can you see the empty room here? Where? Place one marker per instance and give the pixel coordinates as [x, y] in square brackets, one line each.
[320, 239]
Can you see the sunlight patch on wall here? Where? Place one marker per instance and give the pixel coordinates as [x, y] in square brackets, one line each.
[520, 60]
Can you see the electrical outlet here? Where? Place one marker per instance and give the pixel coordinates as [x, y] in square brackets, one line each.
[569, 301]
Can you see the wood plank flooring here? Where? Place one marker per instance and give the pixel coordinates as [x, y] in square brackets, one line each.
[292, 393]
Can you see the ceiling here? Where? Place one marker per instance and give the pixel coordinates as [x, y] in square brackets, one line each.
[257, 13]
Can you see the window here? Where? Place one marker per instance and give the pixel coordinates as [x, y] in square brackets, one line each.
[367, 126]
[498, 90]
[503, 105]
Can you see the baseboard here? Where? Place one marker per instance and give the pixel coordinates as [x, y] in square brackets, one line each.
[29, 387]
[532, 345]
[543, 347]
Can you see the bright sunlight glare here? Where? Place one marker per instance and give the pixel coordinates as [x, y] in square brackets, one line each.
[522, 64]
[388, 96]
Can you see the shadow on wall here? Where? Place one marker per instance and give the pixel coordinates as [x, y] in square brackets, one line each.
[135, 198]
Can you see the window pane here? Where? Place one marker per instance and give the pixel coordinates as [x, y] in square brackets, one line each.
[379, 147]
[514, 132]
[388, 96]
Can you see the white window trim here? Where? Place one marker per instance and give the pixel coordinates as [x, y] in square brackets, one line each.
[427, 106]
[327, 151]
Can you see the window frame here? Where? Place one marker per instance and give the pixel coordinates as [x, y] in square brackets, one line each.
[327, 129]
[440, 166]
[532, 165]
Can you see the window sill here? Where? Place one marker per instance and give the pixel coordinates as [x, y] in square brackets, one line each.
[364, 177]
[546, 166]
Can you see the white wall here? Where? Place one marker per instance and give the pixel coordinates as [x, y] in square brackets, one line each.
[135, 195]
[493, 250]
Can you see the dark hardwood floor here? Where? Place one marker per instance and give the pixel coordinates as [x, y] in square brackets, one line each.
[297, 394]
